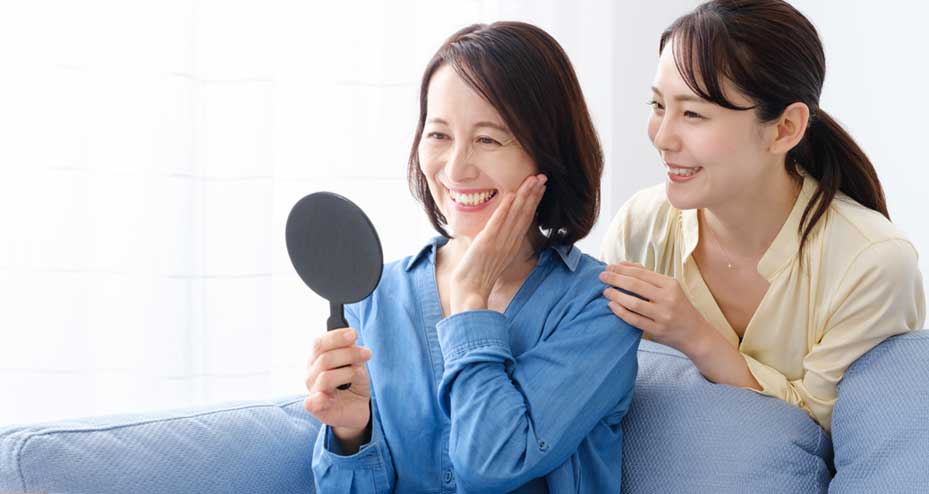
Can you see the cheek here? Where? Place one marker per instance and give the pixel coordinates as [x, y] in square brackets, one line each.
[428, 167]
[509, 170]
[653, 123]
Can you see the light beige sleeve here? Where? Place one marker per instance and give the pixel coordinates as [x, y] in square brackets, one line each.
[613, 248]
[643, 220]
[880, 295]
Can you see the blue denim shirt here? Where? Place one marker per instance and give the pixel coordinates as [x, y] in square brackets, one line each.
[527, 401]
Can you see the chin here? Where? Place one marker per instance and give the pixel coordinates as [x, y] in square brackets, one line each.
[683, 199]
[465, 231]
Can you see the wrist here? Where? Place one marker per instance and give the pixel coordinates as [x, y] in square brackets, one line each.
[467, 301]
[701, 344]
[350, 440]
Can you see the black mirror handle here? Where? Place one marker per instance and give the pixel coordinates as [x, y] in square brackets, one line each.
[337, 320]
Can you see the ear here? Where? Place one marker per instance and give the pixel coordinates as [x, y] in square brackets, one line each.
[790, 128]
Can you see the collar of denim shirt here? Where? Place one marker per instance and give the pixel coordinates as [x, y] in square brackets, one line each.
[566, 253]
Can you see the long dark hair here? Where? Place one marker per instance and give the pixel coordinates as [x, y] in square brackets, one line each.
[527, 77]
[773, 55]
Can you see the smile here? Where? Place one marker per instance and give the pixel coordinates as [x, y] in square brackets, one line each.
[684, 172]
[472, 198]
[680, 174]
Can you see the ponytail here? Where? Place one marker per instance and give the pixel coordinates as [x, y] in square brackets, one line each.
[832, 157]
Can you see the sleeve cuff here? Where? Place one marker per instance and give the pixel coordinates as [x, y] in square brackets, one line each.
[775, 384]
[772, 382]
[465, 331]
[368, 455]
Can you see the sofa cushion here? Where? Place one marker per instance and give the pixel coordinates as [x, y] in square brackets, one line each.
[247, 447]
[684, 434]
[880, 424]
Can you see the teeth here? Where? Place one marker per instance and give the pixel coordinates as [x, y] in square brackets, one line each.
[472, 199]
[683, 172]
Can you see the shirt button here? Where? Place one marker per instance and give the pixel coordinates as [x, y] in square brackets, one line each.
[448, 476]
[543, 445]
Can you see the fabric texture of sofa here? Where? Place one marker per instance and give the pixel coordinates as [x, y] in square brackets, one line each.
[682, 434]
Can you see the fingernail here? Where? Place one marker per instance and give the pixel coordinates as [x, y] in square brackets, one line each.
[365, 352]
[543, 179]
[349, 336]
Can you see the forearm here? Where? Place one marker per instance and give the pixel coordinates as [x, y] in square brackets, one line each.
[719, 361]
[511, 427]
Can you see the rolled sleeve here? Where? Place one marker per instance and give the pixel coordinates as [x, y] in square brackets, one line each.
[466, 331]
[371, 465]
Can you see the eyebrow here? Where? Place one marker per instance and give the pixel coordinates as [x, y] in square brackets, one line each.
[682, 97]
[477, 125]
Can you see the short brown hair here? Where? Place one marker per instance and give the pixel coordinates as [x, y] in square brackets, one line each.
[527, 77]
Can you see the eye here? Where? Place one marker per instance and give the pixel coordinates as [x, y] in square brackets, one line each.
[487, 140]
[437, 135]
[656, 106]
[693, 115]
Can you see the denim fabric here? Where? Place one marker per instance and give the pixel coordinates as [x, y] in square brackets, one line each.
[527, 401]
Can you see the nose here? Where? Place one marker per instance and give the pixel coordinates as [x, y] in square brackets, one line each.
[666, 138]
[459, 167]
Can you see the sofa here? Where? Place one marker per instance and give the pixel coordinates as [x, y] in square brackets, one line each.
[682, 434]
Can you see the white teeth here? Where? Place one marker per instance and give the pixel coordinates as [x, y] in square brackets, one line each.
[472, 199]
[683, 172]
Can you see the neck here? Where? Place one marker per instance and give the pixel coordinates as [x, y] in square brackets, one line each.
[748, 223]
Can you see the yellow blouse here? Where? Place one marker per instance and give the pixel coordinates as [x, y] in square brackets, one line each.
[859, 284]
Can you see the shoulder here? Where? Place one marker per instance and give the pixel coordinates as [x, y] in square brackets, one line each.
[577, 303]
[864, 238]
[645, 218]
[865, 250]
[860, 224]
[581, 288]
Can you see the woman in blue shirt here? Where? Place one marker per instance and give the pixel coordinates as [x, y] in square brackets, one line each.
[488, 361]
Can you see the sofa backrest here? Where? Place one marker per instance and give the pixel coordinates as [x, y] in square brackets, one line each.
[247, 447]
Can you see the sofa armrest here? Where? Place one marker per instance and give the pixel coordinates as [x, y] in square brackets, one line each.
[685, 434]
[255, 447]
[880, 424]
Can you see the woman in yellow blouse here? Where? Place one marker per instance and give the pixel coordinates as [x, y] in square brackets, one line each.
[768, 257]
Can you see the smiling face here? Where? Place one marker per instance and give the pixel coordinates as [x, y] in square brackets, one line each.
[468, 155]
[712, 154]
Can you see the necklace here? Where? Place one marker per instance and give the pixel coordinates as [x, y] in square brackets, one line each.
[720, 247]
